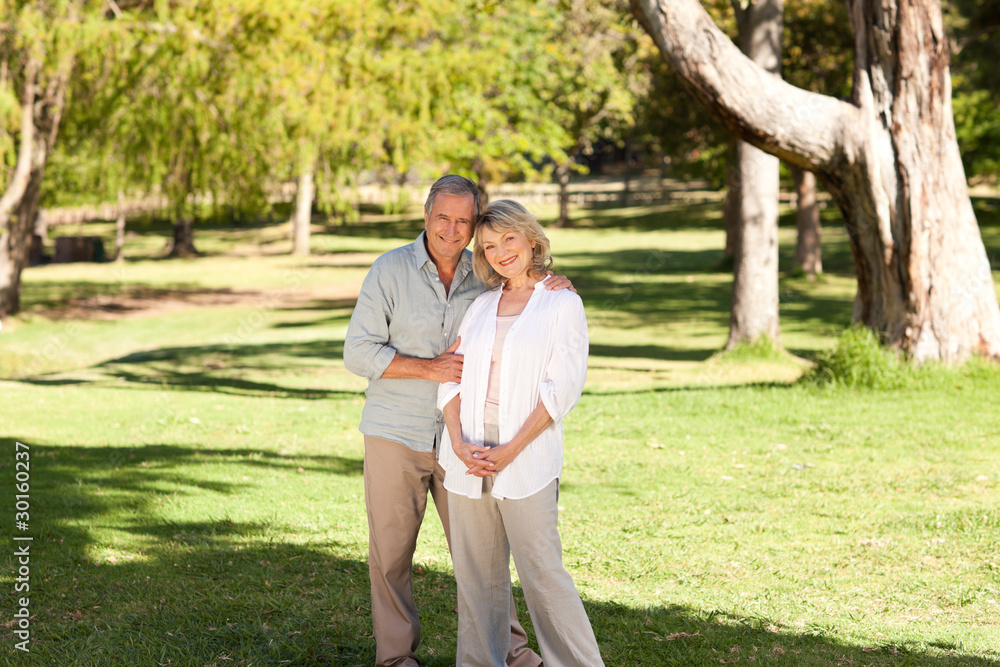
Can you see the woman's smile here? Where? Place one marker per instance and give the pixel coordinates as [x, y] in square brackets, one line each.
[508, 252]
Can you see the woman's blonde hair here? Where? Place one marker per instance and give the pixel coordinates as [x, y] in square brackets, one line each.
[507, 215]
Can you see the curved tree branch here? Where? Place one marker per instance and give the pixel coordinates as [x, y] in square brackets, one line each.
[808, 130]
[19, 181]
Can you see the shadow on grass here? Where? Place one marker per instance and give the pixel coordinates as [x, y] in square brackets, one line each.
[693, 388]
[635, 262]
[260, 356]
[652, 304]
[220, 593]
[213, 590]
[216, 368]
[649, 352]
[152, 469]
[67, 299]
[622, 288]
[653, 217]
[323, 305]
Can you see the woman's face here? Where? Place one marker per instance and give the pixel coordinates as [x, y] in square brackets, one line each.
[508, 252]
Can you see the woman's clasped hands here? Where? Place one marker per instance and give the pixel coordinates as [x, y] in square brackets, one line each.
[475, 458]
[484, 461]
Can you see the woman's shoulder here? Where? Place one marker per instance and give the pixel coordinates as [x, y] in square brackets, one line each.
[563, 298]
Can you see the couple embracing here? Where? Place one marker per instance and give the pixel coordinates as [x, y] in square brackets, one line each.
[473, 360]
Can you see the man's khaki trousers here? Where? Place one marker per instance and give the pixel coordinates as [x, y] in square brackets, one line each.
[397, 480]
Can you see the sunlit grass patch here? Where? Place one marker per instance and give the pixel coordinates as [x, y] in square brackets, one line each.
[197, 490]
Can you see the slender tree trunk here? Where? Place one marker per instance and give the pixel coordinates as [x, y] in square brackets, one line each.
[755, 268]
[755, 258]
[12, 229]
[808, 251]
[14, 247]
[482, 182]
[303, 213]
[20, 249]
[41, 113]
[120, 229]
[627, 188]
[889, 158]
[661, 166]
[562, 178]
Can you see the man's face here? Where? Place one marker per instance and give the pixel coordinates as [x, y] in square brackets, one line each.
[449, 227]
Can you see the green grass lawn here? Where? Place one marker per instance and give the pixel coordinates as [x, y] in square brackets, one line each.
[195, 464]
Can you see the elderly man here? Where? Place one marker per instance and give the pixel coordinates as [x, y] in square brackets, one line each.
[402, 337]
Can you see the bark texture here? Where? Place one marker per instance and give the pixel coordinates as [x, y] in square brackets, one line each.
[889, 158]
[42, 107]
[12, 230]
[808, 248]
[303, 213]
[754, 311]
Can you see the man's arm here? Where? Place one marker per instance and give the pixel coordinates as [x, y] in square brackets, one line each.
[446, 367]
[366, 349]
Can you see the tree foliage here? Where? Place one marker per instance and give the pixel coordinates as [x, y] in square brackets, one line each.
[214, 104]
[975, 50]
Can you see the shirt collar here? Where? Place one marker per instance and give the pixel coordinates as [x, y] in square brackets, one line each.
[420, 254]
[421, 258]
[539, 285]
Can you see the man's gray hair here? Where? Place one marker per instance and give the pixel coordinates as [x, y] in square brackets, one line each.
[455, 185]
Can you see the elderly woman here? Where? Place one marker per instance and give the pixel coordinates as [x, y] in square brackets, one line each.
[525, 363]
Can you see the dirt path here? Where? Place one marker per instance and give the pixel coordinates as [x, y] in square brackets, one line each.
[142, 301]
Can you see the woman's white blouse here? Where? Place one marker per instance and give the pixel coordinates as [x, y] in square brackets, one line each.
[544, 359]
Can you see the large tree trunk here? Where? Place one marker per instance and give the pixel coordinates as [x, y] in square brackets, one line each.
[755, 260]
[889, 158]
[808, 250]
[303, 213]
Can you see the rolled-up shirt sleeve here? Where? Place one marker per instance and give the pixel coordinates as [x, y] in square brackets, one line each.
[366, 352]
[566, 369]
